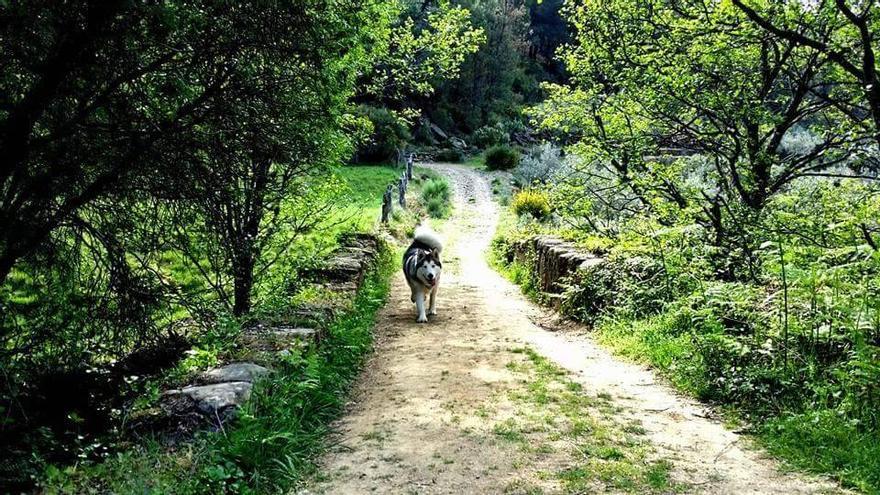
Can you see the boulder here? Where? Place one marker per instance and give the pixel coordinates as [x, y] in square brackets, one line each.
[457, 143]
[218, 400]
[439, 132]
[234, 372]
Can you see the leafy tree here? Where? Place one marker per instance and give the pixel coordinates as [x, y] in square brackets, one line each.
[844, 33]
[694, 76]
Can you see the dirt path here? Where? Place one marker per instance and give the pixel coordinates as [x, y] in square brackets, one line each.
[482, 399]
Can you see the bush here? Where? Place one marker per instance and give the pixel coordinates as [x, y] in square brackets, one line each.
[501, 158]
[487, 136]
[539, 165]
[389, 134]
[451, 155]
[532, 202]
[436, 195]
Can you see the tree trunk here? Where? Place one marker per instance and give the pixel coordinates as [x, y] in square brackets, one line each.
[244, 282]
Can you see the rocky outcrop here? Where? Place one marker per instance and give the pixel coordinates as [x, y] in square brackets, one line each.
[553, 261]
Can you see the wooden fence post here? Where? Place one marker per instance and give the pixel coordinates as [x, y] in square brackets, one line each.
[387, 204]
[401, 191]
[409, 166]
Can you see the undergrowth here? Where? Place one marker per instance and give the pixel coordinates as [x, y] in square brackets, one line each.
[277, 435]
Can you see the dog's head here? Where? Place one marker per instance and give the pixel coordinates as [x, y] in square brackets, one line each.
[428, 267]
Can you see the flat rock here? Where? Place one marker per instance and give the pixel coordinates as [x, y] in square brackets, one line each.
[217, 399]
[219, 396]
[234, 372]
[278, 338]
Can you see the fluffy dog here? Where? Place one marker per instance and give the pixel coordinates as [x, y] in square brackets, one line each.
[421, 267]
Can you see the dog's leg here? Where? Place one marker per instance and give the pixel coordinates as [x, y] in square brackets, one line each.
[432, 309]
[420, 306]
[412, 290]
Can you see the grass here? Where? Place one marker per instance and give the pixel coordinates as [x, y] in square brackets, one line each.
[604, 451]
[436, 196]
[477, 161]
[366, 184]
[819, 441]
[278, 434]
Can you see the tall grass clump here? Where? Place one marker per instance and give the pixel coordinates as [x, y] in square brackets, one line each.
[436, 195]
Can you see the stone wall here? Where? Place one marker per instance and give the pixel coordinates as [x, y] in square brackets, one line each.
[214, 397]
[553, 260]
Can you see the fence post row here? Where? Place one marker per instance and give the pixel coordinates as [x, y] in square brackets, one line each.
[402, 186]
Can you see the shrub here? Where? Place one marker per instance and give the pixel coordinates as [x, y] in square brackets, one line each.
[451, 155]
[501, 158]
[436, 195]
[532, 202]
[487, 136]
[389, 134]
[539, 165]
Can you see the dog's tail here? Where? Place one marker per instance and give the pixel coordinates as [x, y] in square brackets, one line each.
[426, 236]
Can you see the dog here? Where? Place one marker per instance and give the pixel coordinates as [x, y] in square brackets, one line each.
[422, 267]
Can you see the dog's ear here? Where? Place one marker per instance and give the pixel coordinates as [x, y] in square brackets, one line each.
[435, 253]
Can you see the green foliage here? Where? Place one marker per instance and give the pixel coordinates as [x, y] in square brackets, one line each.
[488, 136]
[423, 52]
[436, 195]
[504, 74]
[388, 135]
[501, 158]
[533, 202]
[279, 432]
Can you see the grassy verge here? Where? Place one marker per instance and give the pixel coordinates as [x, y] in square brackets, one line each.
[277, 436]
[605, 452]
[686, 345]
[818, 440]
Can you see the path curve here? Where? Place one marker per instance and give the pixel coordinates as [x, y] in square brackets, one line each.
[421, 416]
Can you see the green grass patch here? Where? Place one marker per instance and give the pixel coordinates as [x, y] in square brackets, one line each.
[436, 195]
[825, 442]
[604, 451]
[366, 184]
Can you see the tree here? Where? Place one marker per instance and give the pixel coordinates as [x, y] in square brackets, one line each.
[259, 165]
[844, 33]
[694, 76]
